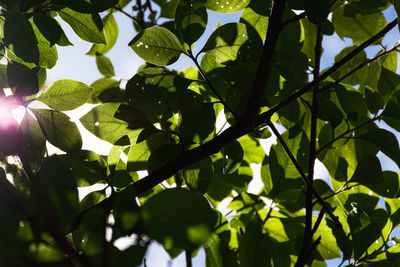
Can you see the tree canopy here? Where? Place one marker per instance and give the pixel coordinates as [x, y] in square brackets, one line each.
[262, 75]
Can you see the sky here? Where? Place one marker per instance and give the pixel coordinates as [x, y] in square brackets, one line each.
[74, 64]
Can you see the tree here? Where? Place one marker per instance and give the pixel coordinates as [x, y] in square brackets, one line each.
[260, 72]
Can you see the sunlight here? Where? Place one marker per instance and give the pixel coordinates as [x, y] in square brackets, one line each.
[11, 112]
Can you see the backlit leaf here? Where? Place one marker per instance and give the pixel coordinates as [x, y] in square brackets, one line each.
[59, 130]
[66, 95]
[157, 45]
[88, 27]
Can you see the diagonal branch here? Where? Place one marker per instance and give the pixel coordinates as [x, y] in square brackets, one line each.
[360, 66]
[229, 135]
[264, 67]
[348, 132]
[266, 115]
[303, 175]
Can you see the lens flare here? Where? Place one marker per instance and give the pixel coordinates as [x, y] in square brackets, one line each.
[11, 113]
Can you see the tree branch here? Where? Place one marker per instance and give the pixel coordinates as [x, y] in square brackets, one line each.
[308, 233]
[129, 16]
[266, 115]
[264, 67]
[52, 225]
[383, 53]
[303, 176]
[229, 135]
[347, 132]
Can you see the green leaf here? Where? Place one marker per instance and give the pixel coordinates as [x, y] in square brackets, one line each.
[106, 90]
[105, 66]
[317, 10]
[133, 255]
[135, 118]
[198, 175]
[185, 222]
[3, 76]
[111, 33]
[255, 248]
[157, 45]
[92, 199]
[87, 167]
[26, 81]
[61, 192]
[33, 141]
[162, 155]
[191, 19]
[328, 246]
[20, 37]
[140, 152]
[66, 95]
[88, 27]
[369, 234]
[168, 8]
[232, 157]
[357, 27]
[368, 171]
[391, 113]
[228, 6]
[253, 152]
[88, 6]
[328, 110]
[388, 82]
[101, 122]
[153, 91]
[257, 15]
[228, 40]
[199, 127]
[49, 28]
[121, 178]
[373, 100]
[397, 8]
[59, 130]
[358, 76]
[385, 141]
[218, 253]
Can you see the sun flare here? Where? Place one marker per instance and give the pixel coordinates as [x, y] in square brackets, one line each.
[11, 113]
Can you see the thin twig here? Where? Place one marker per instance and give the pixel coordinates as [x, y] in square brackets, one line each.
[303, 176]
[294, 19]
[318, 221]
[209, 83]
[266, 115]
[347, 132]
[383, 53]
[129, 16]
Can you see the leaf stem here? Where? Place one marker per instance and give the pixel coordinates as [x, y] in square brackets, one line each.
[383, 53]
[347, 132]
[303, 176]
[209, 83]
[130, 16]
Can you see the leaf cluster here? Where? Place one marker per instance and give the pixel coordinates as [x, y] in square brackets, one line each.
[257, 73]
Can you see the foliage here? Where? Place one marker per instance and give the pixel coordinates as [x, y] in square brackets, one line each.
[257, 73]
